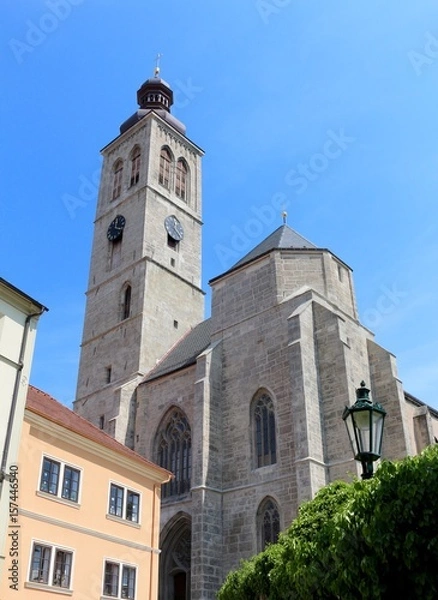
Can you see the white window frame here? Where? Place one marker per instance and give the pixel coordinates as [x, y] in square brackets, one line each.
[53, 549]
[58, 496]
[126, 489]
[119, 583]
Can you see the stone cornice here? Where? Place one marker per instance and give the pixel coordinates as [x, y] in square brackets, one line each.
[18, 299]
[179, 139]
[87, 531]
[163, 125]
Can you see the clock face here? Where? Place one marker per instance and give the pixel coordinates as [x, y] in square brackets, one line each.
[174, 228]
[115, 228]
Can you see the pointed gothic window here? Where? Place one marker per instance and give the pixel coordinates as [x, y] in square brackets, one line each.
[181, 179]
[117, 180]
[135, 165]
[126, 302]
[165, 162]
[264, 431]
[268, 523]
[174, 449]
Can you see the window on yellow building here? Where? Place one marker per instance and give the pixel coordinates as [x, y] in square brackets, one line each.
[51, 566]
[119, 580]
[124, 503]
[59, 479]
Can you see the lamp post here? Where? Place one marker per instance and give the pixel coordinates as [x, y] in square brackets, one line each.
[364, 421]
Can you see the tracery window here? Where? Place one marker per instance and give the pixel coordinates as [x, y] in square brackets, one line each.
[181, 179]
[164, 172]
[117, 180]
[264, 431]
[268, 522]
[135, 165]
[175, 453]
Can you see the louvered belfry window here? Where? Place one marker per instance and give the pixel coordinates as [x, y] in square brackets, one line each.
[164, 172]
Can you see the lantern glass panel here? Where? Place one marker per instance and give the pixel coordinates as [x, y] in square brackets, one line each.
[363, 429]
[351, 433]
[377, 437]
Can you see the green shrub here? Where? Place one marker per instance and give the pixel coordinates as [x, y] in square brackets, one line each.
[368, 540]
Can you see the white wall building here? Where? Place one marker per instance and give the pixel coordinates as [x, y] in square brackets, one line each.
[19, 314]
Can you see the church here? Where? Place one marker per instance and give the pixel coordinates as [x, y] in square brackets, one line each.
[245, 407]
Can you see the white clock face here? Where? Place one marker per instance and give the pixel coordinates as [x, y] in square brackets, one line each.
[174, 228]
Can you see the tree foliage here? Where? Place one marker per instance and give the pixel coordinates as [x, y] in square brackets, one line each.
[368, 540]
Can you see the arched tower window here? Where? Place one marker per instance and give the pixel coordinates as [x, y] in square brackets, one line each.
[165, 163]
[117, 178]
[174, 453]
[268, 523]
[181, 183]
[263, 416]
[135, 165]
[126, 302]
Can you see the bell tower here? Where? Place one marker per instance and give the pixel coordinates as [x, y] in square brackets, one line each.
[144, 289]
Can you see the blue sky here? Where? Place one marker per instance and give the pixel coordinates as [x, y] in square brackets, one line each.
[328, 110]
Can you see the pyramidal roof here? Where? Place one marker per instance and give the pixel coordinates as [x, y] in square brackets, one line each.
[283, 238]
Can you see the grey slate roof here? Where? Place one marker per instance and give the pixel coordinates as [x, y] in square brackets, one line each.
[185, 352]
[282, 238]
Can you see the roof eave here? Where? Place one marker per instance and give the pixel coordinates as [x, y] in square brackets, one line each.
[267, 252]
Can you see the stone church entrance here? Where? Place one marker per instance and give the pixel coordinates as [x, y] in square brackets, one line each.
[176, 559]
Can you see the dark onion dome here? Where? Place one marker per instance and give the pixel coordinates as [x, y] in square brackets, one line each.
[155, 94]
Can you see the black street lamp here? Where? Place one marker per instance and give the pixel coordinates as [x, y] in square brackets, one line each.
[364, 421]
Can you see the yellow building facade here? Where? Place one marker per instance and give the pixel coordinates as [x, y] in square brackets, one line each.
[87, 524]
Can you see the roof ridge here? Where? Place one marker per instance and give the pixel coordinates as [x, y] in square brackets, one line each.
[111, 442]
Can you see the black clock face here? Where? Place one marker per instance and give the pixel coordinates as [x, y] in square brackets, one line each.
[174, 228]
[115, 228]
